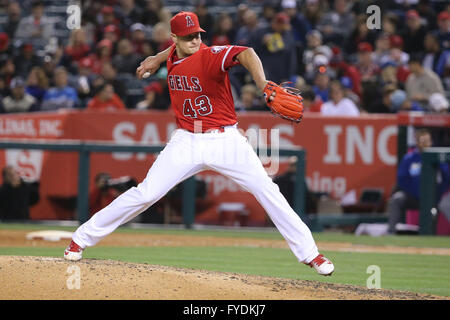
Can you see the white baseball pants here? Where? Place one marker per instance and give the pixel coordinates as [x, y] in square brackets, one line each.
[186, 154]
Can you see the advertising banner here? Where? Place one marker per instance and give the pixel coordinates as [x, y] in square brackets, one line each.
[344, 155]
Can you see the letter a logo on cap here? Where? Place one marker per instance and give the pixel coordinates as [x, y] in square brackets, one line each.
[189, 22]
[184, 23]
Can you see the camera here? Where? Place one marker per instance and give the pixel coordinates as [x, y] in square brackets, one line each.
[121, 184]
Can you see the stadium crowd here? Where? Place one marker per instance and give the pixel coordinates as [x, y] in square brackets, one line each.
[326, 48]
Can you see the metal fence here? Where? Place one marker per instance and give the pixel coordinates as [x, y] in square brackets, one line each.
[431, 158]
[85, 148]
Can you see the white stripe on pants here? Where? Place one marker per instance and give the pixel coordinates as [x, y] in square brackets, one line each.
[187, 154]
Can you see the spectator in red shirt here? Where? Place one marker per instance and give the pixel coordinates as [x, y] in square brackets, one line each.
[153, 93]
[367, 68]
[106, 99]
[398, 57]
[4, 43]
[77, 48]
[101, 56]
[344, 69]
[112, 33]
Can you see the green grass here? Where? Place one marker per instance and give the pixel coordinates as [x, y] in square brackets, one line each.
[403, 241]
[416, 273]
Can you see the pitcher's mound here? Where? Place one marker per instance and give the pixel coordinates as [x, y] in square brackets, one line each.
[54, 278]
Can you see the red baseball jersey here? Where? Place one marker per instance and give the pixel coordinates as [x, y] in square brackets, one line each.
[199, 87]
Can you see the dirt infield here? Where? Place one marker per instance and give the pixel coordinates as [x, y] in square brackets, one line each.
[46, 278]
[52, 278]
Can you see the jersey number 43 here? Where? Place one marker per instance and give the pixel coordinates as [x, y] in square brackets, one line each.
[201, 107]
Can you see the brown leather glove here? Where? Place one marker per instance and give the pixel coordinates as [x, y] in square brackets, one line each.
[287, 102]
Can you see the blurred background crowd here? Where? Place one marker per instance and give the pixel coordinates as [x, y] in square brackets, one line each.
[325, 48]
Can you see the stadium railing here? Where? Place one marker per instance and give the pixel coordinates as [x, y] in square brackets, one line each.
[431, 158]
[316, 222]
[85, 148]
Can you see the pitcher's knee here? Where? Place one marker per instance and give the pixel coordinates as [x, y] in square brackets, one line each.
[150, 195]
[138, 196]
[263, 184]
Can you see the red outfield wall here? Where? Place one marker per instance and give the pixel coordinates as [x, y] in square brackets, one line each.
[343, 154]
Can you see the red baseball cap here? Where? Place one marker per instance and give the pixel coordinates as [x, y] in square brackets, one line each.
[396, 41]
[412, 14]
[27, 47]
[4, 40]
[282, 17]
[104, 43]
[365, 47]
[444, 15]
[185, 23]
[107, 10]
[85, 62]
[111, 28]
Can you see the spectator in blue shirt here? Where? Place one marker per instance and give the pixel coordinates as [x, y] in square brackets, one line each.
[443, 33]
[61, 95]
[37, 83]
[408, 181]
[321, 85]
[300, 25]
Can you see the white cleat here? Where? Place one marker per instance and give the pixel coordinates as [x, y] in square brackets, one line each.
[322, 265]
[73, 252]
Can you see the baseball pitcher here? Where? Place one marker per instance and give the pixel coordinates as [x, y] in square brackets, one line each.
[207, 138]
